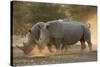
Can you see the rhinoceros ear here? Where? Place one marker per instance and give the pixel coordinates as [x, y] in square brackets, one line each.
[39, 26]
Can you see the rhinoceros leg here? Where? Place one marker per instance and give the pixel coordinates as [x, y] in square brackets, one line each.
[50, 47]
[40, 47]
[83, 45]
[51, 43]
[64, 46]
[89, 45]
[58, 43]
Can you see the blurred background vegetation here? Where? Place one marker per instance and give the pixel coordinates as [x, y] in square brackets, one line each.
[26, 14]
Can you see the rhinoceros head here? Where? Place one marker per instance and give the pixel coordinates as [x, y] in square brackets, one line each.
[25, 48]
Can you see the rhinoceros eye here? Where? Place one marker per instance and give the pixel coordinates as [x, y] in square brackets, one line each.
[29, 30]
[47, 26]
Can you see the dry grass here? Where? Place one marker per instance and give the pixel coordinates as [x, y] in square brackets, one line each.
[45, 57]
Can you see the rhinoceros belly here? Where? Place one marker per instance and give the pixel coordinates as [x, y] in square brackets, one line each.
[72, 33]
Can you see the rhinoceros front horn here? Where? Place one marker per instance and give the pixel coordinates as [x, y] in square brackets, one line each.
[22, 48]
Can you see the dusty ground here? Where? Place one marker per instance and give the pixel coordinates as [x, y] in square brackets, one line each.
[72, 55]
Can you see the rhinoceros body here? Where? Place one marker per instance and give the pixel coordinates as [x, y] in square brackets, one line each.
[65, 33]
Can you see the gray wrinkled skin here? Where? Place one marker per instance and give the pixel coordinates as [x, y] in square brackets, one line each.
[65, 33]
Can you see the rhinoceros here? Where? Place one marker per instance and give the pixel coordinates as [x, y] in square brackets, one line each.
[32, 39]
[65, 33]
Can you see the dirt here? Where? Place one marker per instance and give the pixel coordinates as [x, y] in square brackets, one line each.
[73, 55]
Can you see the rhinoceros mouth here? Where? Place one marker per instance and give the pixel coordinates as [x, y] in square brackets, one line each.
[20, 47]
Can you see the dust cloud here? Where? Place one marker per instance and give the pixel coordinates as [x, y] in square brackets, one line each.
[93, 21]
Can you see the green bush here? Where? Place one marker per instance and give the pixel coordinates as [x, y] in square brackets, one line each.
[26, 14]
